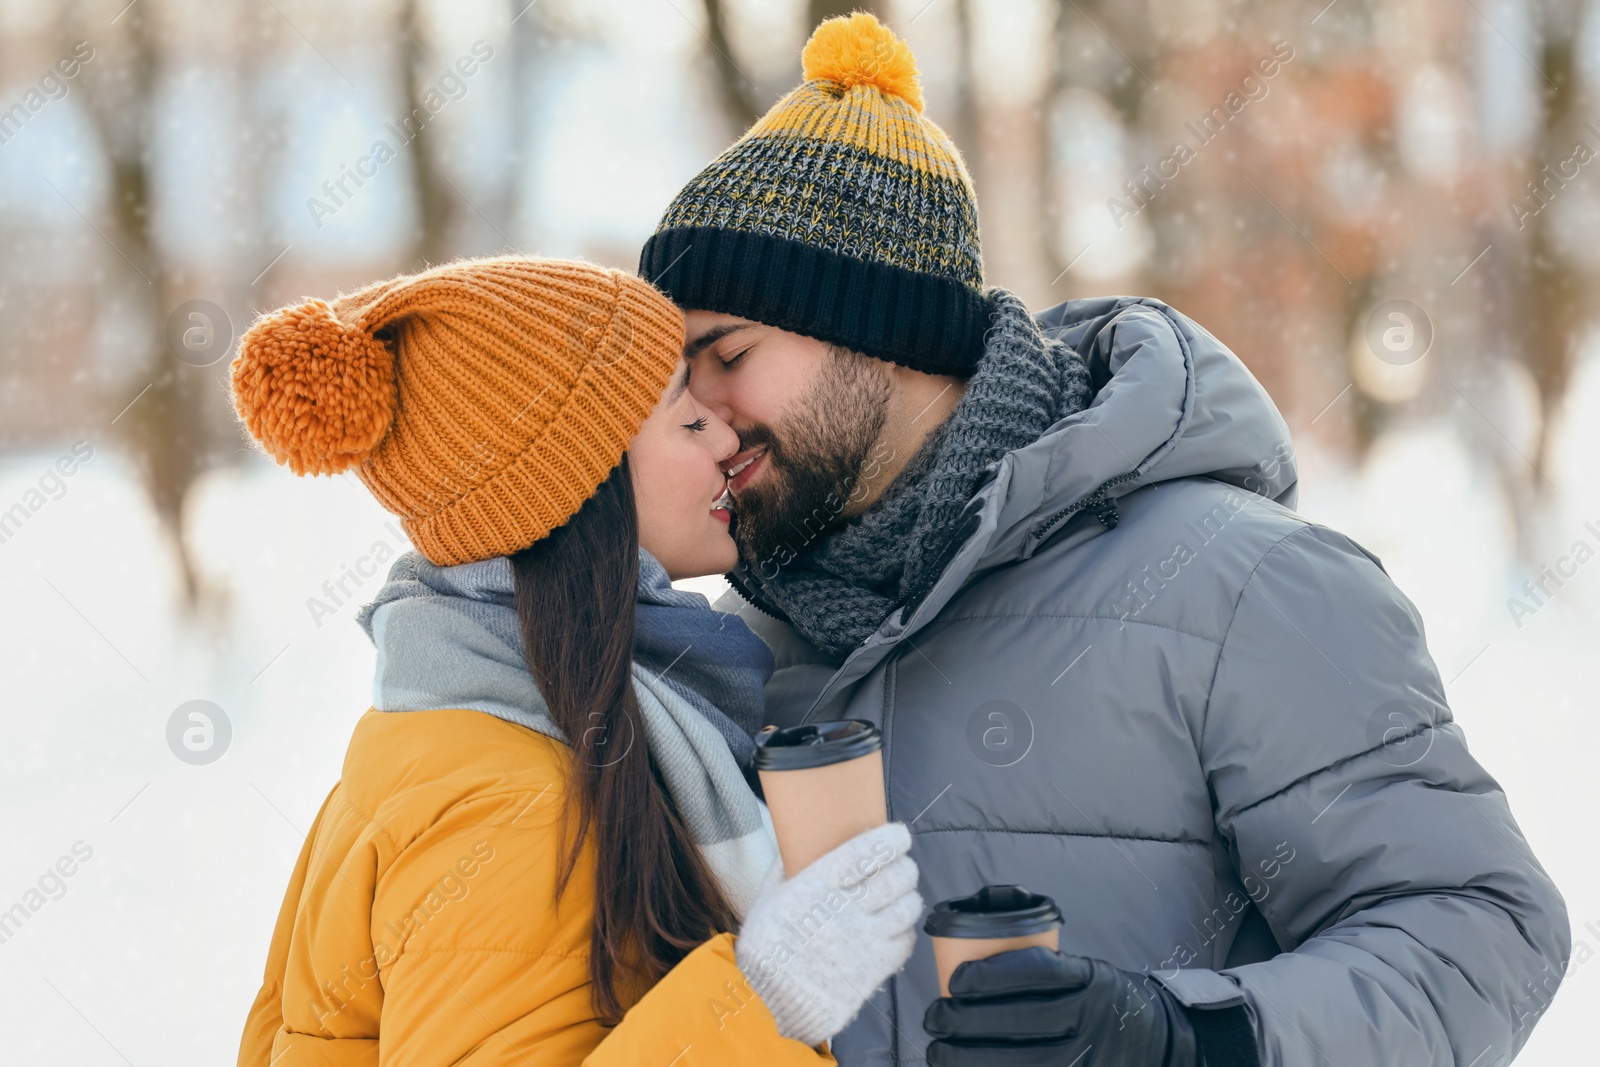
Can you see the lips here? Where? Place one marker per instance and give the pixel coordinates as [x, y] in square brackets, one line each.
[722, 507]
[742, 467]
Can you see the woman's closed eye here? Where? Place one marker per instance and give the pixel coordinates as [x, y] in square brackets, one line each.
[697, 425]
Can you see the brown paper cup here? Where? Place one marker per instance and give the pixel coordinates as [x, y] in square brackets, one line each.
[995, 919]
[951, 952]
[823, 785]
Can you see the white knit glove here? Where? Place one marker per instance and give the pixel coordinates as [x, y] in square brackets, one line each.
[817, 945]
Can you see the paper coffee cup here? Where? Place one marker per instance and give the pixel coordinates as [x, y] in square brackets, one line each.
[823, 784]
[997, 918]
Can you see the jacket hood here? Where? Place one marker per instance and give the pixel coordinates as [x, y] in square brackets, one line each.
[1171, 401]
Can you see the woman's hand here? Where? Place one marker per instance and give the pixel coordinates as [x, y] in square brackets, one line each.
[817, 945]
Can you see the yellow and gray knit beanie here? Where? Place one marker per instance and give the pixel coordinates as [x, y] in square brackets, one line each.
[844, 214]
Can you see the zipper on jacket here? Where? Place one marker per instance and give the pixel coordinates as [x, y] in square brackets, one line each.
[750, 598]
[1104, 509]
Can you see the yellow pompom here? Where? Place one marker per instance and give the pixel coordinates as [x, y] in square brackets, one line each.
[857, 49]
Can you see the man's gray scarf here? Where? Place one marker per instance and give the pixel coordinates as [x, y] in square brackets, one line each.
[450, 637]
[839, 591]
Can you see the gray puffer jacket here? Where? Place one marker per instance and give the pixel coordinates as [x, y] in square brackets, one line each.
[1211, 731]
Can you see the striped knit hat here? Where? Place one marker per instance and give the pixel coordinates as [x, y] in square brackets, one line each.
[844, 214]
[482, 401]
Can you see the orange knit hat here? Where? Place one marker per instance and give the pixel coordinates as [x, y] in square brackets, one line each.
[482, 401]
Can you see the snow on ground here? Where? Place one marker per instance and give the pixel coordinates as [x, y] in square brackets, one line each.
[151, 950]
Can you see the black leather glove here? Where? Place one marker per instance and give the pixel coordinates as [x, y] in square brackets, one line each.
[1038, 1008]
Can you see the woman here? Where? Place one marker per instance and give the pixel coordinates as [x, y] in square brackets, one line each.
[542, 841]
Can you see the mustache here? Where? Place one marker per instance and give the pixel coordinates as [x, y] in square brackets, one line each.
[762, 436]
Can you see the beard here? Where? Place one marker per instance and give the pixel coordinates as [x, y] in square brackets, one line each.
[815, 458]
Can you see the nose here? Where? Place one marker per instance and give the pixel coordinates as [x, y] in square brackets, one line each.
[724, 440]
[708, 395]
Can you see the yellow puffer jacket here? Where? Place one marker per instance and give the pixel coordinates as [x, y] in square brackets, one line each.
[421, 927]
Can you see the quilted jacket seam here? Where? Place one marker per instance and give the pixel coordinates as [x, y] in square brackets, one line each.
[1191, 841]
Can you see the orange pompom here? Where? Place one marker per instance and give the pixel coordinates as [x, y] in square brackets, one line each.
[318, 394]
[857, 49]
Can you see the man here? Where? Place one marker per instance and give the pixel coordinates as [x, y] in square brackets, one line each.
[1054, 560]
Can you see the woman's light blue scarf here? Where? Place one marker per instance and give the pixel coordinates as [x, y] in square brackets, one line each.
[449, 637]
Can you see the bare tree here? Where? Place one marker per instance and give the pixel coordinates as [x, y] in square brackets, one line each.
[739, 98]
[1552, 289]
[742, 100]
[433, 202]
[165, 427]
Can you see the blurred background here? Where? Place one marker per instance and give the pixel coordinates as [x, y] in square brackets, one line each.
[1386, 207]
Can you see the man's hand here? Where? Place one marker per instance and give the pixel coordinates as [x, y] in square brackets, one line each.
[1038, 1008]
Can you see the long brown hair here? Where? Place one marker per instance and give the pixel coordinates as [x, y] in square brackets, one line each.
[655, 897]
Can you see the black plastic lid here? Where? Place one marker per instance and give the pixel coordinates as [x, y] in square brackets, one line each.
[799, 748]
[994, 911]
